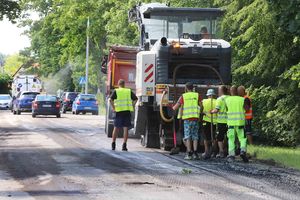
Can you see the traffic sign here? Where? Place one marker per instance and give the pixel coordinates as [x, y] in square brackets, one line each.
[82, 80]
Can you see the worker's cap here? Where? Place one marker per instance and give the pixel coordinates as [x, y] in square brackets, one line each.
[210, 92]
[189, 85]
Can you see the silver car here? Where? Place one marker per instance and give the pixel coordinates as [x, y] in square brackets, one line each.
[5, 101]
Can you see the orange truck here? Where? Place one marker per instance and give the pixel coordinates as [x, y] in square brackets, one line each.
[119, 64]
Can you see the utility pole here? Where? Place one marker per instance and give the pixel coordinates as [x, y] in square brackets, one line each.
[87, 58]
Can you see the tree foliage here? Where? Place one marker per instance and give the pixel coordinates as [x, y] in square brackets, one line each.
[10, 9]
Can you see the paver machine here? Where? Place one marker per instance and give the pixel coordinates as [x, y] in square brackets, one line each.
[177, 45]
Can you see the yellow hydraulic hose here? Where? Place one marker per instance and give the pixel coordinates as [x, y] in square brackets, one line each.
[161, 110]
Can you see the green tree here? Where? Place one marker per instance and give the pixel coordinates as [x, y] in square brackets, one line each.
[10, 9]
[12, 63]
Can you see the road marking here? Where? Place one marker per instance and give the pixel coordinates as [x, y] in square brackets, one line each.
[45, 179]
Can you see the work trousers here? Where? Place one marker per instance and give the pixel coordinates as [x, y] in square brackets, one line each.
[239, 130]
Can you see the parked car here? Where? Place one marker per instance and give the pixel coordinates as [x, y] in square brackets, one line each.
[67, 100]
[23, 102]
[85, 103]
[46, 105]
[5, 101]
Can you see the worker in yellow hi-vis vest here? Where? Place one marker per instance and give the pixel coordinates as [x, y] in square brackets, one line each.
[191, 104]
[209, 123]
[236, 108]
[122, 101]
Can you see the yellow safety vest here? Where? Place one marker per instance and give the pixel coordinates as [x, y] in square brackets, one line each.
[235, 111]
[208, 105]
[123, 101]
[190, 107]
[221, 106]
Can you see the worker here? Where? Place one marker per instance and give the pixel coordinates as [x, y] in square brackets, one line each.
[248, 115]
[204, 33]
[236, 108]
[190, 102]
[221, 119]
[122, 101]
[209, 124]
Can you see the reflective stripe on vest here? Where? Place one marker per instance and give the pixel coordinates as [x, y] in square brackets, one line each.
[249, 113]
[221, 106]
[235, 111]
[190, 105]
[208, 105]
[123, 101]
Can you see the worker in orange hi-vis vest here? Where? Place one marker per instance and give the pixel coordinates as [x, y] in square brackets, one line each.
[248, 114]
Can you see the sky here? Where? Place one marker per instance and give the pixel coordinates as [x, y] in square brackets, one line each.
[11, 38]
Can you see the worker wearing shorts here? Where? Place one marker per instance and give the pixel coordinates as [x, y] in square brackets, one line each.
[209, 124]
[190, 103]
[122, 101]
[222, 119]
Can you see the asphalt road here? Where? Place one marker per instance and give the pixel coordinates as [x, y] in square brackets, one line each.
[70, 158]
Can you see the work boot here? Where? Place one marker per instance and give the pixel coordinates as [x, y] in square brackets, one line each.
[220, 155]
[113, 146]
[124, 147]
[244, 156]
[205, 156]
[188, 156]
[230, 159]
[195, 156]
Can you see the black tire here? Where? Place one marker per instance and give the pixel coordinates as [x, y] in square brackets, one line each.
[58, 115]
[109, 130]
[73, 112]
[151, 137]
[18, 112]
[84, 112]
[95, 113]
[33, 115]
[14, 112]
[76, 112]
[166, 142]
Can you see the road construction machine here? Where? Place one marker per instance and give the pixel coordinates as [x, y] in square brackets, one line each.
[177, 45]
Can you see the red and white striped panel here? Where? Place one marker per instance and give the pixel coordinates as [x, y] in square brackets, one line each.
[149, 73]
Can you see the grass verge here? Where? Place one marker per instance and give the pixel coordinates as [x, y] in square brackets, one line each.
[289, 157]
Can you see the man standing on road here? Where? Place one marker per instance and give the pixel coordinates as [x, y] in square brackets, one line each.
[209, 123]
[236, 107]
[191, 104]
[222, 119]
[248, 115]
[122, 101]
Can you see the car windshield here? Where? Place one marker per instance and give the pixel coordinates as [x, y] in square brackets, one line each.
[46, 98]
[87, 97]
[29, 95]
[174, 26]
[72, 96]
[5, 97]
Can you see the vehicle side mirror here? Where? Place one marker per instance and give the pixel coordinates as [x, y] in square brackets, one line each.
[104, 64]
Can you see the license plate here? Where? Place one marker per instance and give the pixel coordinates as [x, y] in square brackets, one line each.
[87, 108]
[46, 106]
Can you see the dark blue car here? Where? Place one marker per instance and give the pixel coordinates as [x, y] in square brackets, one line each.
[85, 103]
[46, 105]
[23, 102]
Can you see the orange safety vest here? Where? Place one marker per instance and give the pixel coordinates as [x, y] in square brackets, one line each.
[249, 114]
